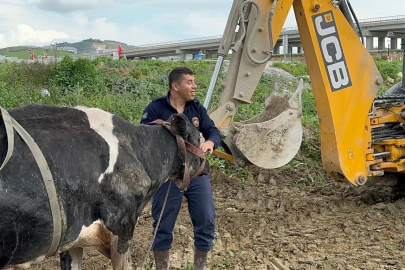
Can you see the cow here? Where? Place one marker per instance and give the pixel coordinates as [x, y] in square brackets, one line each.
[104, 171]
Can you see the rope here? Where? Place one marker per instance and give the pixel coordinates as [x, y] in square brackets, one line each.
[10, 136]
[46, 175]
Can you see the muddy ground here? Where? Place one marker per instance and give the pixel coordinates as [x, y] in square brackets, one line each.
[295, 217]
[287, 219]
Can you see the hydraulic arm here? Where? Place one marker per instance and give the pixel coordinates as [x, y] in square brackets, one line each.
[361, 135]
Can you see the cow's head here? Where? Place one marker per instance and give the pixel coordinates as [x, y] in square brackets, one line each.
[181, 126]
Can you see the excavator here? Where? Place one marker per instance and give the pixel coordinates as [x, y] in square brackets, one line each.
[362, 134]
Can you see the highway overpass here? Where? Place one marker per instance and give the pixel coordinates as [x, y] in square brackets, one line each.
[373, 29]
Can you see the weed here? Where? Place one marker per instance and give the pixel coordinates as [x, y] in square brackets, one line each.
[187, 266]
[125, 88]
[295, 68]
[223, 264]
[390, 69]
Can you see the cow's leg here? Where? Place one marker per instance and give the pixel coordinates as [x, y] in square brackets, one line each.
[71, 259]
[119, 261]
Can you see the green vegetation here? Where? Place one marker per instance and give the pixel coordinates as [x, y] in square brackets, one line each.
[121, 87]
[297, 69]
[23, 53]
[125, 88]
[86, 46]
[390, 69]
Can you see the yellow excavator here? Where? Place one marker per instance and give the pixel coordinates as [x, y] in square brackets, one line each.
[362, 134]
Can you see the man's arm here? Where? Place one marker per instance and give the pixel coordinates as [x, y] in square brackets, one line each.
[209, 132]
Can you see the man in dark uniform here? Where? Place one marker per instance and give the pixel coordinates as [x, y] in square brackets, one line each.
[181, 99]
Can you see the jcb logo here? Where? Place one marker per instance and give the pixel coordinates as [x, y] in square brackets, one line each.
[331, 49]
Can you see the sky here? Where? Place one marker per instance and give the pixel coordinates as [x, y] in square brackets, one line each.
[134, 22]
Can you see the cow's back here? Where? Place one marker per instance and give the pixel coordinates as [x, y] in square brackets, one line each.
[76, 154]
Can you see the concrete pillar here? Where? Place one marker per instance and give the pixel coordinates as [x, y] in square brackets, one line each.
[381, 43]
[285, 46]
[276, 49]
[393, 40]
[300, 49]
[208, 55]
[181, 53]
[369, 43]
[394, 44]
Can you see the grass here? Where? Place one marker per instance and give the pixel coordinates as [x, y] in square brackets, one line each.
[23, 54]
[125, 88]
[297, 69]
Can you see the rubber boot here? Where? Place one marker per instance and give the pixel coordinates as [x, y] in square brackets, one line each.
[162, 259]
[200, 259]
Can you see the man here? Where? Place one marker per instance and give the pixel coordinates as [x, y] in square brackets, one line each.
[181, 99]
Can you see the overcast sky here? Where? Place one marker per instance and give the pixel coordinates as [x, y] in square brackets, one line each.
[135, 22]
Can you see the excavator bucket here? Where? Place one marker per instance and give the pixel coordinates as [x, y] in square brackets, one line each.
[272, 138]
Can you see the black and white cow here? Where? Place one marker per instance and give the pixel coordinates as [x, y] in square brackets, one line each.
[105, 170]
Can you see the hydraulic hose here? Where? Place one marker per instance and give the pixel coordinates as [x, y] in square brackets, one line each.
[242, 27]
[360, 33]
[250, 35]
[346, 12]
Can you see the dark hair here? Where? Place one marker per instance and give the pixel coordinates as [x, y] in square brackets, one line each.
[176, 75]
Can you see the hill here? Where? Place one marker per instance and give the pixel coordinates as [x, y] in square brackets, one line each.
[88, 45]
[22, 53]
[17, 49]
[84, 46]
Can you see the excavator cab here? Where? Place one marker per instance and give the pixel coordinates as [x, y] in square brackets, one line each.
[354, 122]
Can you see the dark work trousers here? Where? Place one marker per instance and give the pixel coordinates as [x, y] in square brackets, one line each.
[201, 209]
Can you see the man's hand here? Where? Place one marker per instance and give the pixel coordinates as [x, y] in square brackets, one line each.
[207, 146]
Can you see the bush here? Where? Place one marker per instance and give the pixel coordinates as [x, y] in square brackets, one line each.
[25, 75]
[390, 69]
[72, 75]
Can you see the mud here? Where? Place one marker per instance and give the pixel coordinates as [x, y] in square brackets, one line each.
[295, 217]
[275, 104]
[290, 218]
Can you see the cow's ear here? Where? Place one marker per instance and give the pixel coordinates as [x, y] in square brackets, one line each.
[178, 124]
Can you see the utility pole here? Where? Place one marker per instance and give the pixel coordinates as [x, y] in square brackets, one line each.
[56, 52]
[389, 58]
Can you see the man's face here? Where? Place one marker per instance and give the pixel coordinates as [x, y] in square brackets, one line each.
[186, 90]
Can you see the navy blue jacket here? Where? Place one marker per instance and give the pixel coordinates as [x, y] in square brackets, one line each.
[160, 108]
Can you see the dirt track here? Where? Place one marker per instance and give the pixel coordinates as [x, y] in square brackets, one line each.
[282, 219]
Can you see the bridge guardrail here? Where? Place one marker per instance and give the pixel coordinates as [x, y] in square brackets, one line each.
[285, 30]
[380, 19]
